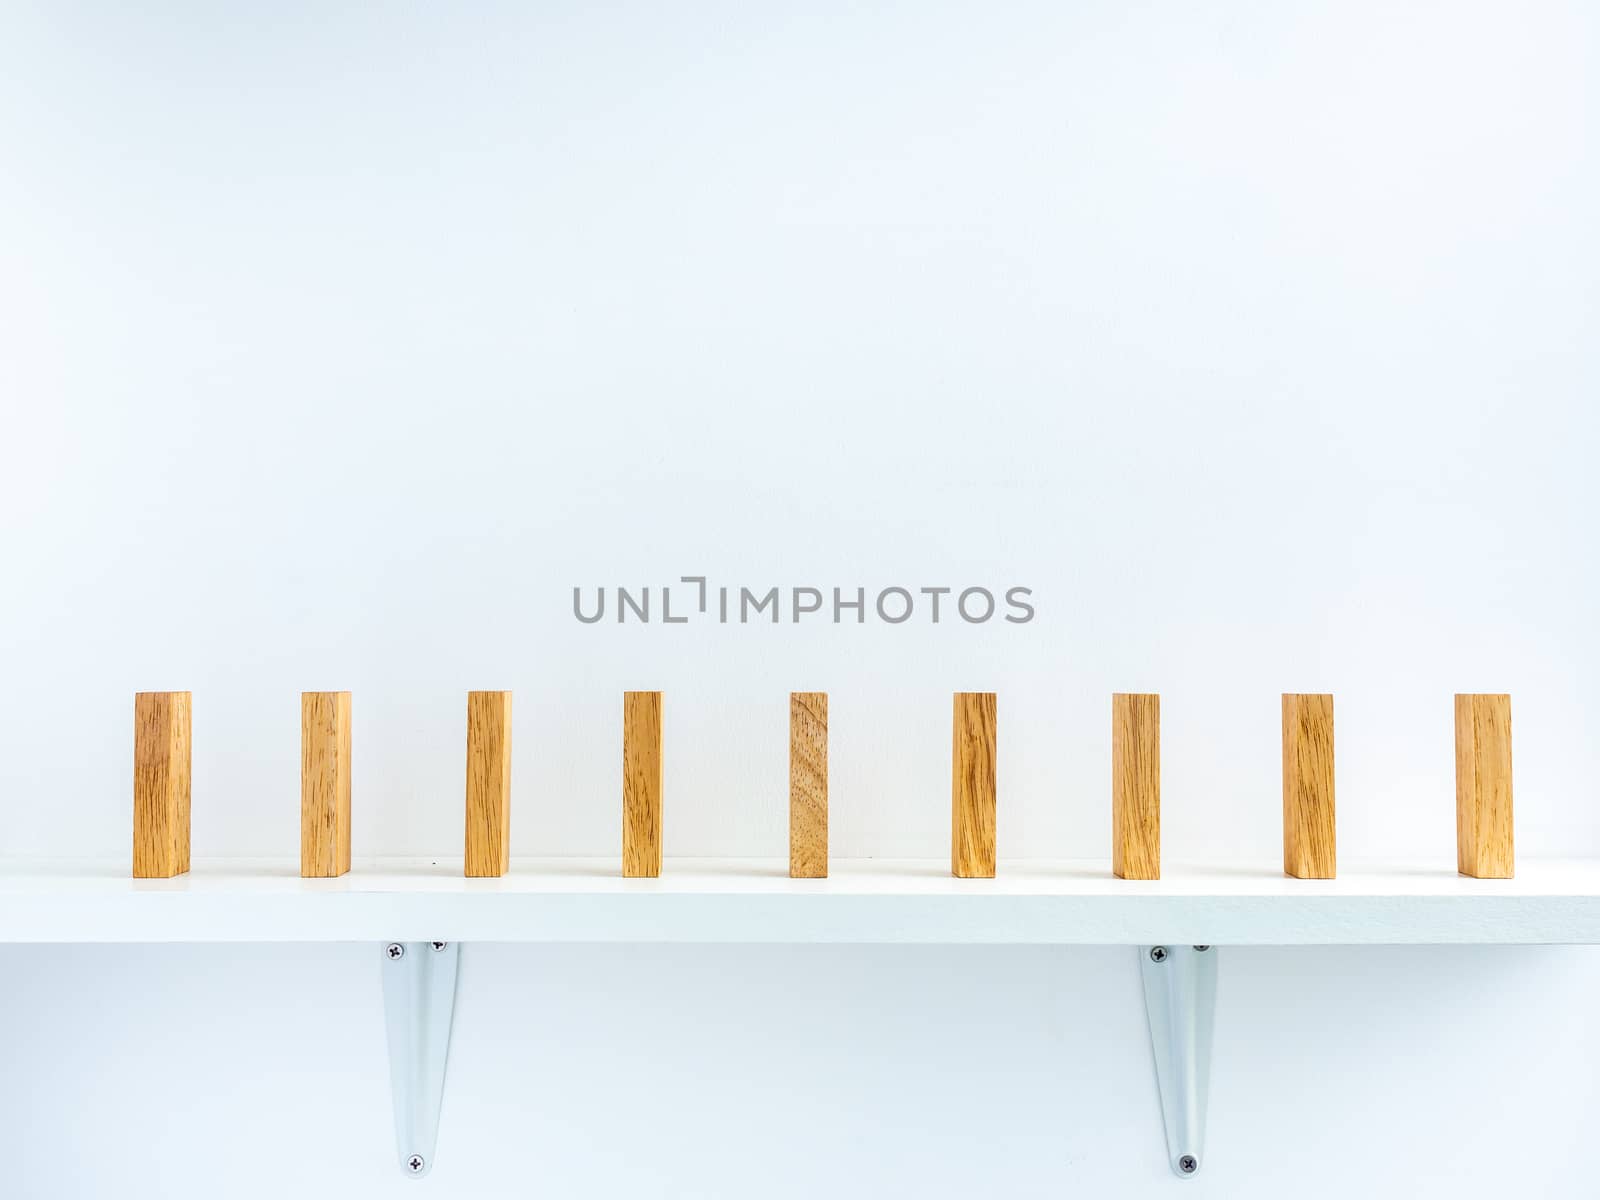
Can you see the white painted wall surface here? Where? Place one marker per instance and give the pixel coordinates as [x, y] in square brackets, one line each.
[732, 1072]
[337, 345]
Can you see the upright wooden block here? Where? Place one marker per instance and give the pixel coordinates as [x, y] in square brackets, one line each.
[1483, 786]
[1136, 785]
[160, 784]
[324, 784]
[1308, 828]
[972, 785]
[488, 784]
[641, 784]
[808, 785]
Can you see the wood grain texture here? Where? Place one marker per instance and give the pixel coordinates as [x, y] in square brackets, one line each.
[161, 753]
[1484, 847]
[1136, 785]
[972, 785]
[808, 785]
[488, 784]
[1308, 823]
[324, 784]
[641, 784]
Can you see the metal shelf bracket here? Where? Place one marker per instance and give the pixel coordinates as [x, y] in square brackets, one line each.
[419, 999]
[1180, 999]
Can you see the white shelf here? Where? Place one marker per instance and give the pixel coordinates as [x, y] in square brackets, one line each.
[741, 900]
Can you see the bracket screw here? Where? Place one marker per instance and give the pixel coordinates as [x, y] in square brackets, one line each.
[438, 946]
[1158, 954]
[1189, 1164]
[395, 951]
[1202, 949]
[415, 1163]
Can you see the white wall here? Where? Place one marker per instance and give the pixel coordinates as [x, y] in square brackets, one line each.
[337, 345]
[732, 1072]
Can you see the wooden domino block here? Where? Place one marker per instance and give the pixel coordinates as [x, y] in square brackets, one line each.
[488, 784]
[972, 785]
[1483, 786]
[324, 784]
[160, 784]
[808, 785]
[1136, 785]
[1308, 828]
[641, 784]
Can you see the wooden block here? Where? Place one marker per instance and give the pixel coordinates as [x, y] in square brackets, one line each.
[160, 784]
[641, 784]
[488, 784]
[1483, 786]
[1136, 785]
[1308, 829]
[972, 785]
[808, 785]
[324, 784]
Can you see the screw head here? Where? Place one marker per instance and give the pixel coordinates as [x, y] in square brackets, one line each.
[1158, 954]
[415, 1163]
[1188, 1164]
[1202, 949]
[395, 951]
[438, 946]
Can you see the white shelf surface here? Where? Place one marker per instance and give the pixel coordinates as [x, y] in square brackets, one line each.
[746, 900]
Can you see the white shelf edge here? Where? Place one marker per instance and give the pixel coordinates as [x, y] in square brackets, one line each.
[753, 901]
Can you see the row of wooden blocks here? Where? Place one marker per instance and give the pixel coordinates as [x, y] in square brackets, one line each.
[161, 785]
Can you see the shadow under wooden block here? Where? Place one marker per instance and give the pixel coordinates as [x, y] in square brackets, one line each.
[974, 746]
[1308, 813]
[808, 785]
[324, 784]
[1484, 843]
[488, 851]
[641, 784]
[1136, 785]
[161, 759]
